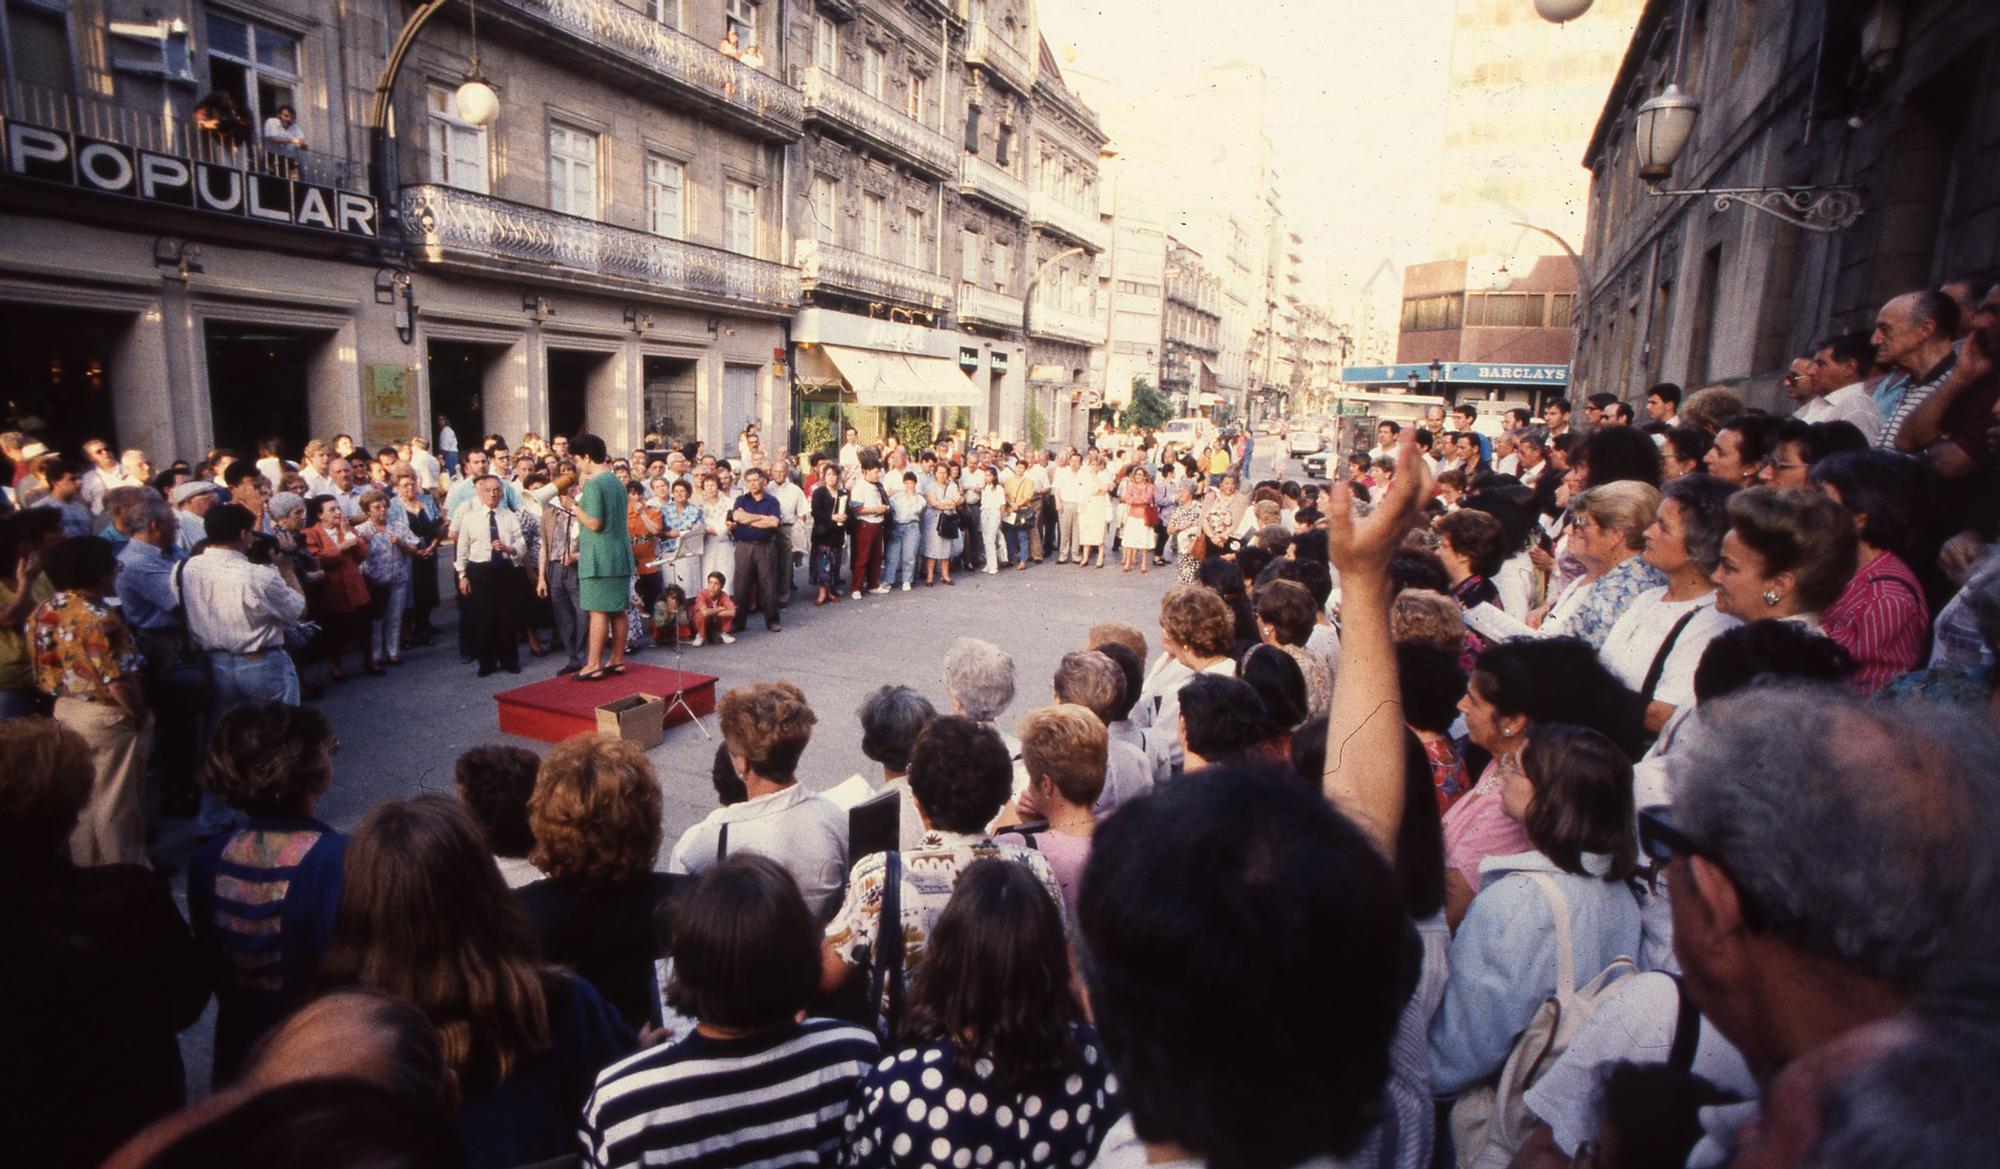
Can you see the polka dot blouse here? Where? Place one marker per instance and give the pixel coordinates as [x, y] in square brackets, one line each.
[919, 1109]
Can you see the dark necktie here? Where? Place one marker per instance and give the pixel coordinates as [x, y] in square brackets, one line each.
[493, 526]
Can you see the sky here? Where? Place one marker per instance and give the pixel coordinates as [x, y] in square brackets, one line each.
[1357, 104]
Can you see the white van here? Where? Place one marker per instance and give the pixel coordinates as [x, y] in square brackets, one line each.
[1188, 433]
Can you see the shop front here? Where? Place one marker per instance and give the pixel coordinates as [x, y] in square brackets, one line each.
[1495, 386]
[879, 377]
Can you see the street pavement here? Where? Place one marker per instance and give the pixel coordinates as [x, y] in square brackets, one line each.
[400, 735]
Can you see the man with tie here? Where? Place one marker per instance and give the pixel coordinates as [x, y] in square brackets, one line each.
[490, 551]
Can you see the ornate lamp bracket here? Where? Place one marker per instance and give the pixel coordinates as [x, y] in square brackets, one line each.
[1825, 210]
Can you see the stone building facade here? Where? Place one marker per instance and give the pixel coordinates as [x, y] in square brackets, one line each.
[1898, 101]
[683, 207]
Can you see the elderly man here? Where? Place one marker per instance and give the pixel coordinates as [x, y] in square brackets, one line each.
[1779, 917]
[755, 523]
[794, 532]
[107, 472]
[491, 551]
[346, 492]
[1913, 336]
[237, 610]
[173, 682]
[191, 502]
[1952, 424]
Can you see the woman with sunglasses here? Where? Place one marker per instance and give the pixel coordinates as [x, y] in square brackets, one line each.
[1572, 795]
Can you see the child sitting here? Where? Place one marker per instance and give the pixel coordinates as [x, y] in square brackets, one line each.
[670, 616]
[712, 604]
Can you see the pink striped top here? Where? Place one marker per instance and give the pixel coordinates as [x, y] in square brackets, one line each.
[1881, 620]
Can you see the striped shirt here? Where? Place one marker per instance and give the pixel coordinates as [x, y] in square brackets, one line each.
[1881, 620]
[776, 1099]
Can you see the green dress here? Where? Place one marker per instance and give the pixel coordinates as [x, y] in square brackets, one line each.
[604, 565]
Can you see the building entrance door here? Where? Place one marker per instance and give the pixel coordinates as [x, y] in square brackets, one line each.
[260, 384]
[571, 374]
[458, 373]
[55, 375]
[670, 400]
[739, 404]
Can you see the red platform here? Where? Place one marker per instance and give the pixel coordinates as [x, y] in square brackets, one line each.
[561, 707]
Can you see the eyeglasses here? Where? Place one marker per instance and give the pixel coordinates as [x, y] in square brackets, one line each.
[1661, 841]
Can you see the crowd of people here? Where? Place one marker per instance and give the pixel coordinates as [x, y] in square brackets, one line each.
[1626, 813]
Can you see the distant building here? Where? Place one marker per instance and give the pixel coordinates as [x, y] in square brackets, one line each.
[1191, 327]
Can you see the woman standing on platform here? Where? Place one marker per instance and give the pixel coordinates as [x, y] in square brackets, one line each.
[604, 558]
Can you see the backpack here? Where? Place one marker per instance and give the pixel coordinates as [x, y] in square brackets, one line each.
[1490, 1121]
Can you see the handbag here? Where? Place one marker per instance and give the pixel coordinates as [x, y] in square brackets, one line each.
[948, 525]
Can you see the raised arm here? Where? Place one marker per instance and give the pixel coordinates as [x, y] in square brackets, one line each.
[1364, 734]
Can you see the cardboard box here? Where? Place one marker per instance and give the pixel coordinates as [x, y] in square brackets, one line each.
[636, 718]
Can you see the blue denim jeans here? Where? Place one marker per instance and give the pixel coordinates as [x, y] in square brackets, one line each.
[1017, 544]
[899, 565]
[271, 678]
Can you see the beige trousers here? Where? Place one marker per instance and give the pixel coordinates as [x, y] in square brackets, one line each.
[112, 829]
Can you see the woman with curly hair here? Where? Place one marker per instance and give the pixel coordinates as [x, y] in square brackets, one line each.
[992, 1019]
[426, 919]
[261, 898]
[595, 816]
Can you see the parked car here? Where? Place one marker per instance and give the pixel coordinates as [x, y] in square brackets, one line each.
[1316, 464]
[1301, 442]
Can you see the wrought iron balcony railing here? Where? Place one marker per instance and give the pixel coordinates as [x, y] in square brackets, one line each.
[984, 306]
[984, 46]
[855, 111]
[823, 265]
[984, 181]
[168, 129]
[444, 224]
[1065, 325]
[1061, 219]
[715, 79]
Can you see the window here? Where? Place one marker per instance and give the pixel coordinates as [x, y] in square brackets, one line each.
[915, 105]
[740, 17]
[1432, 312]
[666, 194]
[1003, 264]
[1504, 310]
[1707, 302]
[740, 205]
[667, 12]
[458, 149]
[826, 44]
[874, 209]
[968, 256]
[916, 249]
[39, 42]
[825, 208]
[259, 65]
[572, 170]
[874, 69]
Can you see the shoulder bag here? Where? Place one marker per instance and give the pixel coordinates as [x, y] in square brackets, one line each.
[1491, 1121]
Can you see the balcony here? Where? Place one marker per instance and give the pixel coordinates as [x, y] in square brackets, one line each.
[990, 184]
[453, 228]
[1061, 219]
[852, 273]
[169, 131]
[1063, 325]
[983, 306]
[855, 111]
[600, 32]
[986, 48]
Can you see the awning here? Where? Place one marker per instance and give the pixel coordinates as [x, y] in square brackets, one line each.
[896, 379]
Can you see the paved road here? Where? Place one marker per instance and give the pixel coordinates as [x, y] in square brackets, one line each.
[400, 735]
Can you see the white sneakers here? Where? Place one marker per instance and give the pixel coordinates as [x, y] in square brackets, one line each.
[728, 638]
[698, 639]
[989, 570]
[879, 589]
[856, 595]
[906, 586]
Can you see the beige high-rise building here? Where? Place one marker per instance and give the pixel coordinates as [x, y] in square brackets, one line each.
[1522, 97]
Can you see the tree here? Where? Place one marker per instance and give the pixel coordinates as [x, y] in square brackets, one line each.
[1147, 410]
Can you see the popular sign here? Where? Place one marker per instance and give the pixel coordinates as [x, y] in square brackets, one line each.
[111, 168]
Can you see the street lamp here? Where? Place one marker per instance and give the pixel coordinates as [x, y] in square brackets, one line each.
[475, 99]
[1413, 383]
[1437, 372]
[1561, 11]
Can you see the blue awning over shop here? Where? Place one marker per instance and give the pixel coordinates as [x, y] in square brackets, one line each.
[1457, 373]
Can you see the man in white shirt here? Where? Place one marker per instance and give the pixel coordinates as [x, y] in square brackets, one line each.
[447, 445]
[1843, 362]
[1067, 483]
[794, 525]
[1663, 403]
[424, 463]
[105, 474]
[1531, 448]
[1039, 534]
[463, 492]
[237, 610]
[345, 492]
[850, 450]
[313, 464]
[765, 728]
[490, 552]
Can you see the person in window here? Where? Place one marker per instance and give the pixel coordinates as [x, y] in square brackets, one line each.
[284, 137]
[996, 1047]
[218, 116]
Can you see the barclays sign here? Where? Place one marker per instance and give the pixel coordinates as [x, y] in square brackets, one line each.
[111, 168]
